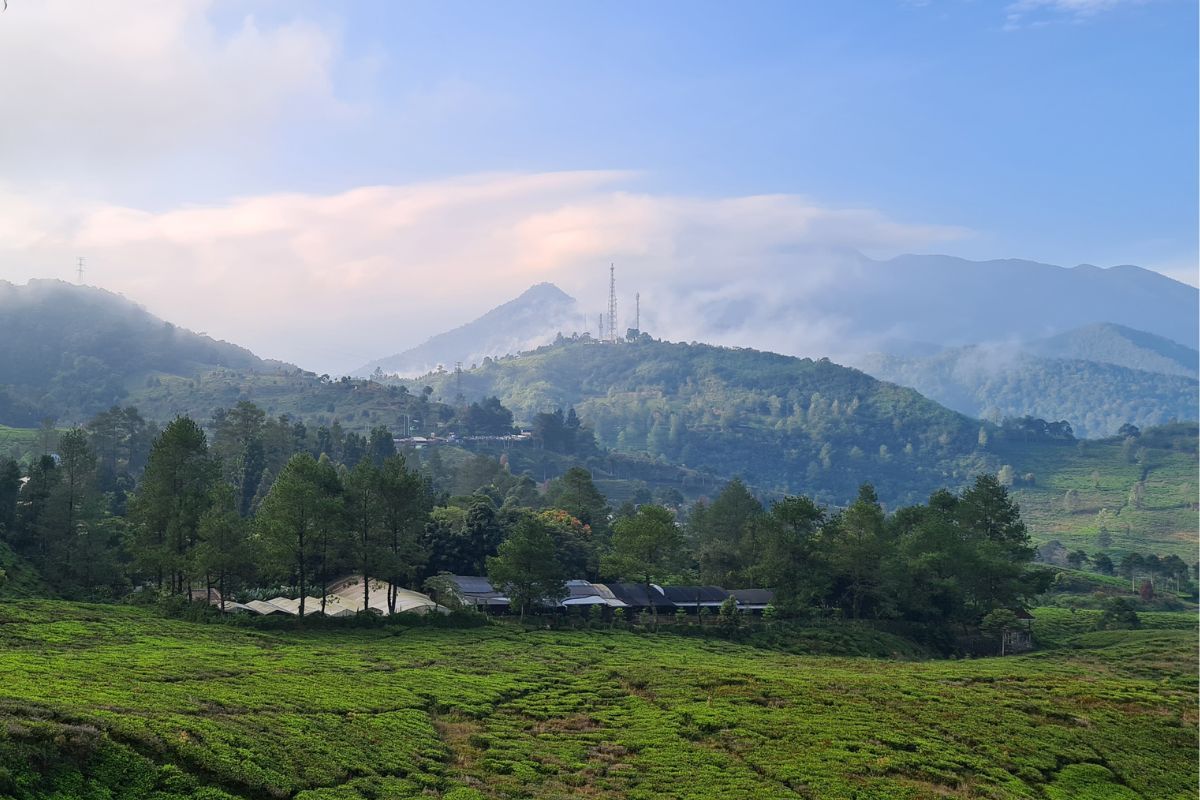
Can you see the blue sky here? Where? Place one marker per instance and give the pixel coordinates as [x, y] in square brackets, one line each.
[1061, 136]
[202, 153]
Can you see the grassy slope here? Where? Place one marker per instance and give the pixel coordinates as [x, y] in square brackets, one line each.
[492, 712]
[1102, 476]
[19, 444]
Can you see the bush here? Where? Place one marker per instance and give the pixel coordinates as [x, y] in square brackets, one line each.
[1118, 613]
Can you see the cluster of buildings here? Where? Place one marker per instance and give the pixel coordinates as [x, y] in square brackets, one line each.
[346, 598]
[476, 591]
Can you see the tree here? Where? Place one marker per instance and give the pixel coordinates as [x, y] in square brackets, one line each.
[857, 550]
[1102, 563]
[999, 546]
[1118, 613]
[1077, 559]
[292, 518]
[1131, 564]
[223, 547]
[791, 559]
[576, 494]
[364, 511]
[1006, 475]
[10, 490]
[525, 567]
[405, 503]
[238, 443]
[574, 546]
[487, 418]
[998, 624]
[646, 548]
[174, 493]
[720, 533]
[381, 446]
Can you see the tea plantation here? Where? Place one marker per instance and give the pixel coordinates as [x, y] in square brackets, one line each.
[115, 702]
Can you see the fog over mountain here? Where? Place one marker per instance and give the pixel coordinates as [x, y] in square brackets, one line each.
[841, 304]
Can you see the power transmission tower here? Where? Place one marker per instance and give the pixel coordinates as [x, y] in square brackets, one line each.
[79, 261]
[612, 303]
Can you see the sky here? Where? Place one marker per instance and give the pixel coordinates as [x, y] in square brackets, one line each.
[331, 182]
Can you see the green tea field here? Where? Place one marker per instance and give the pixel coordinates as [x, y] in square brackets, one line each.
[1109, 496]
[114, 702]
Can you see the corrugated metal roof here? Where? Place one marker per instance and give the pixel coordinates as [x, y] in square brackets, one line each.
[693, 595]
[753, 597]
[634, 594]
[472, 584]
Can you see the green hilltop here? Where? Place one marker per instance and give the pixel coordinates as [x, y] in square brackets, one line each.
[783, 424]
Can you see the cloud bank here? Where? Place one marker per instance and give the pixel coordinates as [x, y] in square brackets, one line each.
[97, 94]
[331, 281]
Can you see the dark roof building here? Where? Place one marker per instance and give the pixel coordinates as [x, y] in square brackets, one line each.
[695, 596]
[752, 599]
[634, 595]
[476, 590]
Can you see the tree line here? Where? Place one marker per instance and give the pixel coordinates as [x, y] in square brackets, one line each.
[255, 502]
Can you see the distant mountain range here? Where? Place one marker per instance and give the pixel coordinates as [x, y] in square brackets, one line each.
[954, 302]
[844, 305]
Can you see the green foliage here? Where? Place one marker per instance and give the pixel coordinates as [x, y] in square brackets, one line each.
[775, 420]
[1163, 520]
[1119, 612]
[120, 703]
[1095, 397]
[646, 547]
[525, 567]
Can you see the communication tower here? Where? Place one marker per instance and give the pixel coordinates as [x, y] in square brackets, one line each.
[612, 303]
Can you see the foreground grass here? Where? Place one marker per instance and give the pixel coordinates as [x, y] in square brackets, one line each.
[104, 702]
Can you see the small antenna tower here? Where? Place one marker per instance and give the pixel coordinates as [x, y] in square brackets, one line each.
[612, 303]
[600, 326]
[79, 262]
[637, 312]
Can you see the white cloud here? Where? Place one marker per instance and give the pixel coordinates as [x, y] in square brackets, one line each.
[96, 86]
[331, 281]
[1024, 13]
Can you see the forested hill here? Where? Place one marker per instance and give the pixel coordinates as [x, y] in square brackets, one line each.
[782, 423]
[1096, 398]
[69, 350]
[1107, 343]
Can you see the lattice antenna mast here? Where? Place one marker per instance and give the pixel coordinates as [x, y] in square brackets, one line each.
[79, 262]
[612, 303]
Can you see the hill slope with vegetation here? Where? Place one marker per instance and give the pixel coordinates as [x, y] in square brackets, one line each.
[70, 351]
[784, 424]
[1126, 494]
[1096, 398]
[1107, 343]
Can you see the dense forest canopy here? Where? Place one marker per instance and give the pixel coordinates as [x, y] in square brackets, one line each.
[256, 502]
[782, 423]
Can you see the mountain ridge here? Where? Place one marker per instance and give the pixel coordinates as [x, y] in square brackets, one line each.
[527, 320]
